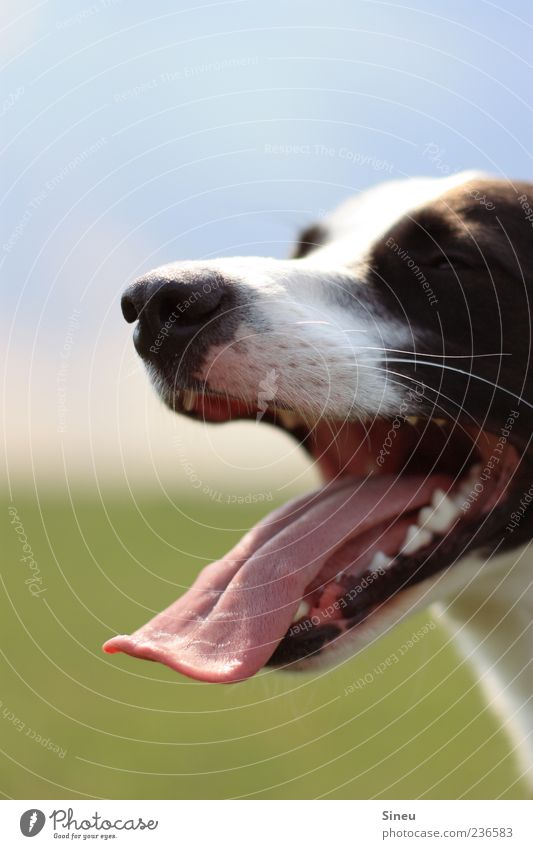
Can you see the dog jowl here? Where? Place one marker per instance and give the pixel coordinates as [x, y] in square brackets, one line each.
[399, 338]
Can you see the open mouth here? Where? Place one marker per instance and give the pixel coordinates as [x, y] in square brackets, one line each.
[402, 500]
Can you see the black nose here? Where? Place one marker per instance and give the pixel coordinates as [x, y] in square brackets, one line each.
[171, 311]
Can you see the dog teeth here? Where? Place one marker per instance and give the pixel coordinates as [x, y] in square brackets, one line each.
[289, 419]
[438, 497]
[466, 488]
[188, 400]
[444, 514]
[379, 562]
[303, 609]
[425, 515]
[473, 474]
[440, 516]
[415, 420]
[415, 539]
[435, 518]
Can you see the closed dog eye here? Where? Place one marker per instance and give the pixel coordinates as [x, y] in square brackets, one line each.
[450, 262]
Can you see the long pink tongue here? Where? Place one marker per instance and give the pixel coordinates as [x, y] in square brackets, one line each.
[229, 623]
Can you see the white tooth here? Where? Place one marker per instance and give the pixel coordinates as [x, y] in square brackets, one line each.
[415, 539]
[380, 561]
[466, 490]
[444, 514]
[473, 474]
[303, 609]
[425, 515]
[289, 419]
[467, 486]
[439, 422]
[189, 400]
[461, 498]
[413, 420]
[438, 496]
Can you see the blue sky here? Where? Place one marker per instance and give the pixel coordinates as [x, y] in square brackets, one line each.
[134, 134]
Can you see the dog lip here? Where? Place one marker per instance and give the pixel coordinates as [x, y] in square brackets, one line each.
[199, 402]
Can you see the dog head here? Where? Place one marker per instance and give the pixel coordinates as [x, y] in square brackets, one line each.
[395, 347]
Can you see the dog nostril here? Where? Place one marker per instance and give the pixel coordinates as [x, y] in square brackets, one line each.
[184, 307]
[129, 310]
[166, 308]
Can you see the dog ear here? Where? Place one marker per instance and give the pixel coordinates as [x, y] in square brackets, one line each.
[525, 199]
[311, 238]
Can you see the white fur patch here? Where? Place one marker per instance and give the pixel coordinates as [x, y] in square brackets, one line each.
[322, 358]
[307, 332]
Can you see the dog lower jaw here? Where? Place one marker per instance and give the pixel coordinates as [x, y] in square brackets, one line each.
[239, 615]
[226, 627]
[210, 632]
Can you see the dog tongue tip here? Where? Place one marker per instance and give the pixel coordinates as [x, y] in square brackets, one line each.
[108, 646]
[217, 672]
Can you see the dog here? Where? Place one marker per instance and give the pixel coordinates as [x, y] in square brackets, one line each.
[395, 346]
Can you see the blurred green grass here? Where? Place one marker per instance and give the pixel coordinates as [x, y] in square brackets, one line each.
[133, 729]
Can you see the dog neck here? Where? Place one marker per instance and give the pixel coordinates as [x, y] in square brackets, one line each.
[492, 622]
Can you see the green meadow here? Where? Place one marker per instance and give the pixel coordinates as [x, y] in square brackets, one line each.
[77, 723]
